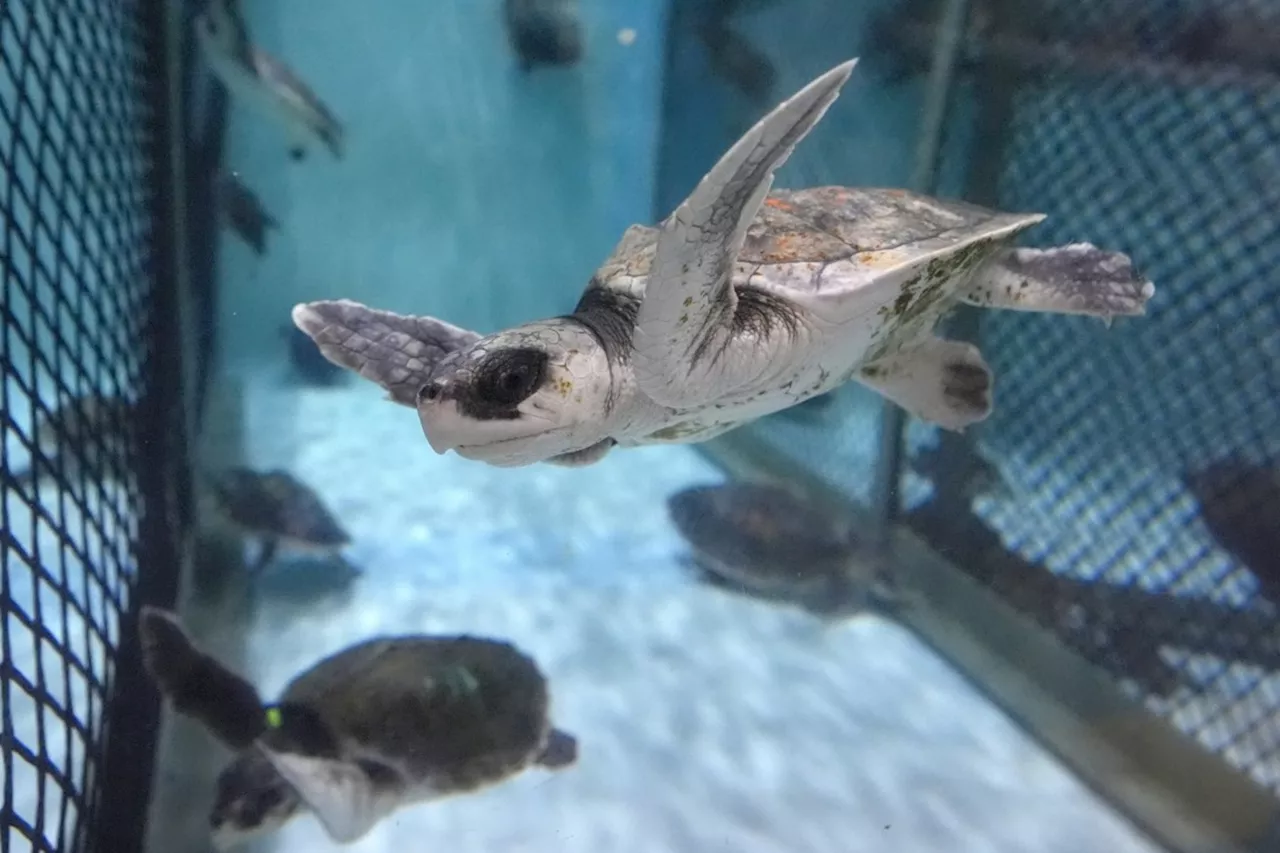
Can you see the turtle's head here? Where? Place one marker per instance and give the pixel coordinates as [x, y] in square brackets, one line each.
[521, 396]
[252, 799]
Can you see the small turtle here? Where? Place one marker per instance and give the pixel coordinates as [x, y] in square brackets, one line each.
[543, 32]
[740, 304]
[264, 84]
[79, 423]
[244, 212]
[278, 509]
[764, 541]
[386, 723]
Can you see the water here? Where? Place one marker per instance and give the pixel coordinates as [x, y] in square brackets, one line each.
[474, 192]
[487, 198]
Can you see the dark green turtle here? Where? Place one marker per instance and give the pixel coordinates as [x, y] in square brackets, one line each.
[383, 724]
[277, 509]
[765, 541]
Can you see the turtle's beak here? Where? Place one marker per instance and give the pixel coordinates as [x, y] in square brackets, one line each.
[443, 425]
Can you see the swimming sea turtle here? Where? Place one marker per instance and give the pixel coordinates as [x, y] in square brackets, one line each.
[764, 541]
[277, 508]
[740, 304]
[383, 724]
[262, 83]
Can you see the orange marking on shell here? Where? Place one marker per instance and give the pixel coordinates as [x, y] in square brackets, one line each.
[779, 204]
[877, 259]
[784, 249]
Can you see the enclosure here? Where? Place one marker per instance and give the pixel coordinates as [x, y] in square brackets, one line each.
[1087, 657]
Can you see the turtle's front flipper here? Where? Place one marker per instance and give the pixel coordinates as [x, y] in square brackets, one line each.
[682, 342]
[394, 350]
[1075, 279]
[347, 801]
[197, 685]
[943, 382]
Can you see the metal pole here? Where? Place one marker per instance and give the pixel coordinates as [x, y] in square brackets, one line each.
[884, 498]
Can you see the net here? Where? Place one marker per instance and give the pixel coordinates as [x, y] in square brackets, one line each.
[89, 483]
[1126, 492]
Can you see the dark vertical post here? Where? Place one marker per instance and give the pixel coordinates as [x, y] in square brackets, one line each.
[885, 503]
[117, 823]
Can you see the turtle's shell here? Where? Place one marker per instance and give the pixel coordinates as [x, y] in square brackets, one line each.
[828, 224]
[761, 536]
[461, 712]
[277, 504]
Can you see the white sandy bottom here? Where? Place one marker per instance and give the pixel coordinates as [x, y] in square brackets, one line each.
[705, 721]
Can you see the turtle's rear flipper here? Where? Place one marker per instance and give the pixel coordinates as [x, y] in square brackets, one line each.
[197, 685]
[943, 382]
[1075, 279]
[560, 751]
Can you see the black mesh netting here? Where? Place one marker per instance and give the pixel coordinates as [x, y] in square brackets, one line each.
[86, 413]
[1126, 491]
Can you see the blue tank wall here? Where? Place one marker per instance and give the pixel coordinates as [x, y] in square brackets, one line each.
[468, 190]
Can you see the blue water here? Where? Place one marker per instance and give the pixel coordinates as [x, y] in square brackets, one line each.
[706, 722]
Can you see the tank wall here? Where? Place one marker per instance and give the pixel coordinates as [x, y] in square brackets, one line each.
[468, 190]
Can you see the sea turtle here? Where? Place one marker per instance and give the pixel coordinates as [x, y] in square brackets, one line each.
[277, 509]
[262, 83]
[740, 304]
[386, 723]
[763, 540]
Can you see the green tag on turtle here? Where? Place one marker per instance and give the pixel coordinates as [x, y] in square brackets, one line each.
[274, 718]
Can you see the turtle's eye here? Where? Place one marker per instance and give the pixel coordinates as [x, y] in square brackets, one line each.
[509, 376]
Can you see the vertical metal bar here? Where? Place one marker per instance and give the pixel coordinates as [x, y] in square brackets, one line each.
[885, 502]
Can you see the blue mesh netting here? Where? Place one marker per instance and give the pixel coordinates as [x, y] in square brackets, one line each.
[1126, 492]
[1141, 464]
[79, 340]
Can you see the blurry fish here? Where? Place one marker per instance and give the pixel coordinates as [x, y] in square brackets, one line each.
[243, 211]
[543, 32]
[384, 724]
[76, 424]
[262, 83]
[1240, 504]
[306, 360]
[763, 541]
[736, 60]
[277, 509]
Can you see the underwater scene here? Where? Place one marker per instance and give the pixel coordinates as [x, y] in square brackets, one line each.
[665, 425]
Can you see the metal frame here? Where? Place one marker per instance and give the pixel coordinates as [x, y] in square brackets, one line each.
[1179, 794]
[1182, 796]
